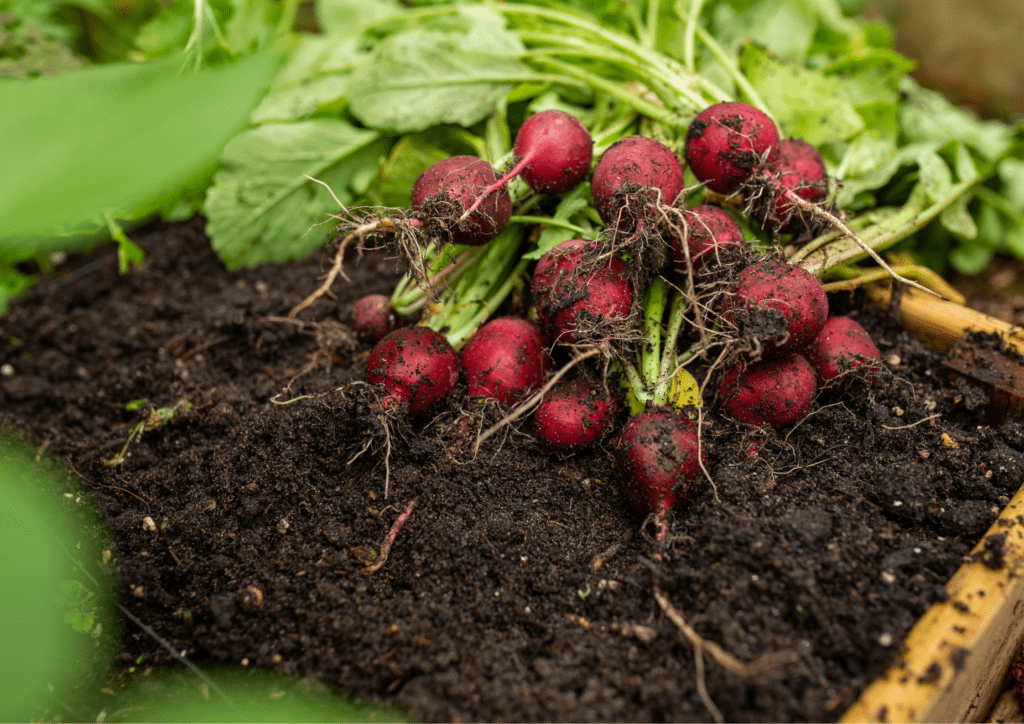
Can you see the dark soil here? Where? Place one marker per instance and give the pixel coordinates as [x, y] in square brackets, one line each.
[521, 587]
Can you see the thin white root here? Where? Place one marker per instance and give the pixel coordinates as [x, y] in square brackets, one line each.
[821, 213]
[381, 225]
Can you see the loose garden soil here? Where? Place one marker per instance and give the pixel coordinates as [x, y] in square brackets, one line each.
[521, 587]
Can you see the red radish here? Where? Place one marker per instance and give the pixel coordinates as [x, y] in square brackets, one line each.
[726, 142]
[553, 151]
[416, 365]
[800, 169]
[659, 455]
[505, 359]
[372, 317]
[709, 230]
[842, 346]
[634, 173]
[774, 289]
[448, 188]
[774, 392]
[574, 415]
[573, 302]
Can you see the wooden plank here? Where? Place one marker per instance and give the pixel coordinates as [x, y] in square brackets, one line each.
[940, 324]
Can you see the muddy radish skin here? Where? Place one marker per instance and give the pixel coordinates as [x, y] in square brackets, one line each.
[775, 392]
[799, 168]
[841, 347]
[792, 292]
[634, 170]
[726, 142]
[454, 184]
[574, 415]
[567, 298]
[372, 317]
[416, 365]
[505, 359]
[659, 457]
[709, 231]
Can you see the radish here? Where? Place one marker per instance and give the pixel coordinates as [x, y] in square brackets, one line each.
[800, 169]
[372, 317]
[447, 188]
[726, 142]
[440, 196]
[841, 347]
[659, 456]
[783, 306]
[574, 415]
[709, 230]
[416, 365]
[633, 175]
[576, 305]
[733, 147]
[774, 392]
[552, 152]
[505, 359]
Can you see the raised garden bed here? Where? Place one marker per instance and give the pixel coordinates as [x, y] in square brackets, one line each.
[521, 586]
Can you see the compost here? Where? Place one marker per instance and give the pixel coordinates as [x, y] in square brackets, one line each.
[522, 586]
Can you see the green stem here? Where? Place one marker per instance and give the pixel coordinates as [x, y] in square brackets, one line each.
[675, 324]
[616, 39]
[549, 221]
[691, 29]
[911, 219]
[650, 350]
[999, 203]
[616, 90]
[653, 10]
[484, 285]
[569, 46]
[741, 80]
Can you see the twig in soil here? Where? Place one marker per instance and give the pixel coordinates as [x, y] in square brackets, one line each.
[914, 424]
[395, 528]
[533, 400]
[721, 656]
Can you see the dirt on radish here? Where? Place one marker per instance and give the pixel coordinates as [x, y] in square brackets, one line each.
[521, 586]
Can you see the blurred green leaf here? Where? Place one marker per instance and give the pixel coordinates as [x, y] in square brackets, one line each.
[928, 116]
[262, 208]
[242, 695]
[410, 156]
[805, 103]
[338, 16]
[138, 136]
[420, 78]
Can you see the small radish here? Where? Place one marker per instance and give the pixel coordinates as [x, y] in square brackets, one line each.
[709, 231]
[552, 152]
[575, 304]
[448, 188]
[659, 455]
[727, 142]
[635, 174]
[574, 415]
[800, 169]
[841, 347]
[775, 392]
[783, 305]
[372, 317]
[416, 365]
[440, 196]
[505, 359]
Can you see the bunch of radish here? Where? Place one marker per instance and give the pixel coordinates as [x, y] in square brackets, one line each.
[625, 296]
